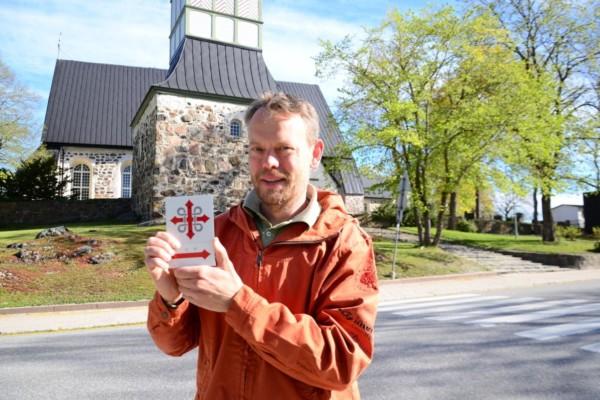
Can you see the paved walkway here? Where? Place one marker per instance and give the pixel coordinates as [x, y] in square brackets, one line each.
[36, 319]
[491, 260]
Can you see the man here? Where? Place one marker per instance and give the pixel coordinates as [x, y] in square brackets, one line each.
[288, 311]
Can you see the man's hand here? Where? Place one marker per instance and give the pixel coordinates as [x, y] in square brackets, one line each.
[158, 252]
[210, 287]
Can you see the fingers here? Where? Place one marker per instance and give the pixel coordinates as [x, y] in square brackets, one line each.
[221, 256]
[170, 239]
[160, 249]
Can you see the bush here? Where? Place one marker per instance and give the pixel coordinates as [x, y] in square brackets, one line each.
[596, 247]
[568, 232]
[466, 226]
[385, 214]
[596, 232]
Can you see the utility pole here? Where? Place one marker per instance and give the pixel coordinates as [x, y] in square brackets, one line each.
[402, 198]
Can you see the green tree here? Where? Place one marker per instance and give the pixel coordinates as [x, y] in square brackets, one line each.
[435, 94]
[555, 38]
[16, 121]
[36, 178]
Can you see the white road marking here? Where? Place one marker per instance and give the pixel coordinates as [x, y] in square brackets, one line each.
[454, 317]
[403, 307]
[439, 309]
[557, 331]
[522, 307]
[595, 347]
[536, 316]
[388, 304]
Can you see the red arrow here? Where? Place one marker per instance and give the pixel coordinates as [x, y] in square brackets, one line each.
[190, 219]
[176, 220]
[202, 218]
[202, 254]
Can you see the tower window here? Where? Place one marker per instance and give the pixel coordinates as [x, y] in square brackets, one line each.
[235, 129]
[81, 182]
[126, 182]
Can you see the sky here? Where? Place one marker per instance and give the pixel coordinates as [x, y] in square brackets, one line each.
[135, 33]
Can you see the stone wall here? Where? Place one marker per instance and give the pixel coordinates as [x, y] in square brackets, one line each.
[53, 212]
[194, 152]
[105, 168]
[145, 170]
[355, 205]
[183, 146]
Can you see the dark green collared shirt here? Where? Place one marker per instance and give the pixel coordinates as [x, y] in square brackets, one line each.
[267, 230]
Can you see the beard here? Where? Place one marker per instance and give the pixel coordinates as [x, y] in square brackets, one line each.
[275, 198]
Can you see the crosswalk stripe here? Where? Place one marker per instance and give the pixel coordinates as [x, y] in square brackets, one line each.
[386, 304]
[481, 301]
[536, 316]
[520, 307]
[402, 307]
[557, 331]
[595, 347]
[454, 317]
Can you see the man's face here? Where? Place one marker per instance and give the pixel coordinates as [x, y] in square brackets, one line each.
[281, 158]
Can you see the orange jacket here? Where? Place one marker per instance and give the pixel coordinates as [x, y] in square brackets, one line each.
[301, 327]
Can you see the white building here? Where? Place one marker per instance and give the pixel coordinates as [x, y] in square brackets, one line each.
[569, 214]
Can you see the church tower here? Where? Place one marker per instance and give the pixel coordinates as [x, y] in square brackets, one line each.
[236, 22]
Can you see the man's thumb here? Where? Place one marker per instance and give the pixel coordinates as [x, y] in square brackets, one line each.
[221, 257]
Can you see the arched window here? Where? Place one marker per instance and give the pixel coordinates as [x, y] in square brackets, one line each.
[126, 182]
[235, 129]
[81, 182]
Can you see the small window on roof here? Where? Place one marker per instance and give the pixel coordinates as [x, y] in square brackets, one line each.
[235, 129]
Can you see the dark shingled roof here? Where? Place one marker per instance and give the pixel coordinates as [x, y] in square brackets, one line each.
[208, 67]
[93, 104]
[349, 176]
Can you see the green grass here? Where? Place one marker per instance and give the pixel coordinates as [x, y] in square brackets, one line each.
[57, 282]
[529, 243]
[414, 261]
[125, 277]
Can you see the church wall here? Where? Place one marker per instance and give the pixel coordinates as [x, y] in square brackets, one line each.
[194, 152]
[184, 146]
[105, 166]
[144, 168]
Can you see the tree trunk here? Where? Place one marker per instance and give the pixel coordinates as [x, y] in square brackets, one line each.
[452, 212]
[426, 228]
[535, 206]
[478, 210]
[548, 223]
[440, 217]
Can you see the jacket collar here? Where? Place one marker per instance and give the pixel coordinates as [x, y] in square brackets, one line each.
[329, 222]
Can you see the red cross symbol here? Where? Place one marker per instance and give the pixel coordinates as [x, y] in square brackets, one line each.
[189, 219]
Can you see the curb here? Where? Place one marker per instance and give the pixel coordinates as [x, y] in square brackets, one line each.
[73, 307]
[439, 277]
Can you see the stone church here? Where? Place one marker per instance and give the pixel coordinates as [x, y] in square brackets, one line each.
[122, 131]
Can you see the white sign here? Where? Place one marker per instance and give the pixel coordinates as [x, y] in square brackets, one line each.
[191, 220]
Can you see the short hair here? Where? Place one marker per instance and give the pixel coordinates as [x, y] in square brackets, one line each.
[283, 103]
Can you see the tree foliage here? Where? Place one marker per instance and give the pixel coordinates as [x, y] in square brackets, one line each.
[36, 178]
[436, 94]
[556, 39]
[16, 105]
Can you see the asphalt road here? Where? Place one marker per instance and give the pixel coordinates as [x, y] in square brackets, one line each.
[522, 344]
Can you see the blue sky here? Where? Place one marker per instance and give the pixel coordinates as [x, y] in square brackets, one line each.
[135, 32]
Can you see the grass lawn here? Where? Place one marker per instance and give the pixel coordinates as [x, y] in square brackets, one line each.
[125, 278]
[76, 281]
[529, 243]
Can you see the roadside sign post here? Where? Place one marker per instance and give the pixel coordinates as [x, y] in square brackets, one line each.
[402, 198]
